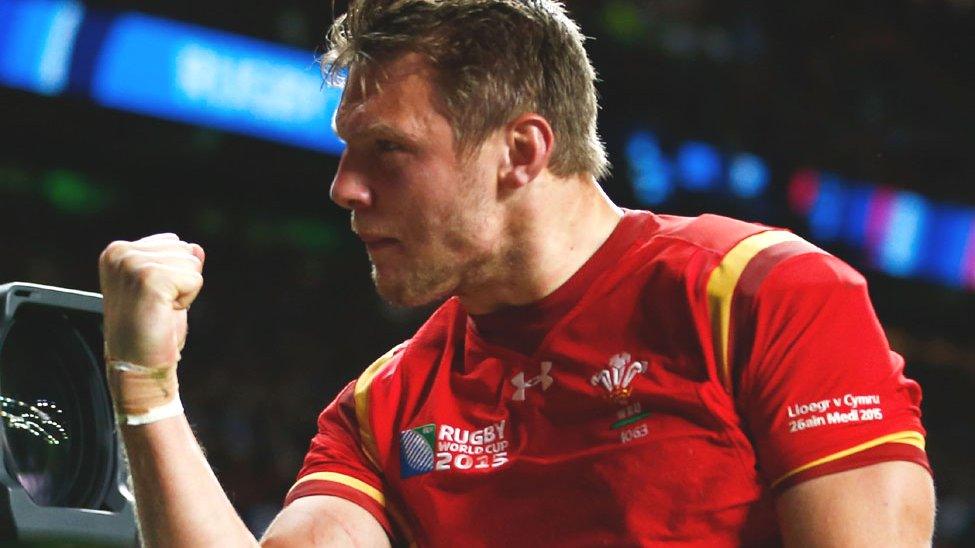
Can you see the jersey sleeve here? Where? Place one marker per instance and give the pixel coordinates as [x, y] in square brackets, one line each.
[815, 381]
[337, 464]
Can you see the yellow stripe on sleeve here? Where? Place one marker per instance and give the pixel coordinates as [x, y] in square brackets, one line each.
[349, 481]
[361, 397]
[366, 436]
[721, 289]
[365, 488]
[909, 437]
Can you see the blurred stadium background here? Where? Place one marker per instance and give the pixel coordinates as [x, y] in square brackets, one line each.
[848, 122]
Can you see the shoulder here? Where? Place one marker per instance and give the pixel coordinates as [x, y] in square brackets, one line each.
[401, 379]
[720, 265]
[713, 233]
[721, 255]
[779, 262]
[709, 252]
[409, 361]
[383, 366]
[693, 246]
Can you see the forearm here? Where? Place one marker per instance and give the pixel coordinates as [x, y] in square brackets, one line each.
[178, 498]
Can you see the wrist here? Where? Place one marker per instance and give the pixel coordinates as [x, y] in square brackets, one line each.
[141, 394]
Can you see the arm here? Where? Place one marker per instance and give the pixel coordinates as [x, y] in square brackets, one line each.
[885, 504]
[148, 285]
[178, 498]
[834, 422]
[180, 502]
[322, 520]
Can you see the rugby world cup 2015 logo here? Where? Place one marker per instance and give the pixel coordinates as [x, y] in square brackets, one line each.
[617, 377]
[444, 447]
[416, 450]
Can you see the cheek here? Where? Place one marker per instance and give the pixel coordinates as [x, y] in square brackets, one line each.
[441, 208]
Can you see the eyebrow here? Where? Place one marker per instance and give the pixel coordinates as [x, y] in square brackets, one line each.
[375, 129]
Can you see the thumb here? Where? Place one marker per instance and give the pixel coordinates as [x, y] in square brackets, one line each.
[198, 252]
[190, 288]
[192, 285]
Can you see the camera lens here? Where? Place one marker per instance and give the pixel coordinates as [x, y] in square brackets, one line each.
[49, 385]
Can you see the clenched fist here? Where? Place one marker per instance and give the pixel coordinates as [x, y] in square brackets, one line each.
[147, 285]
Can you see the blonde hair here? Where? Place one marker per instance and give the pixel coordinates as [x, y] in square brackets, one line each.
[493, 60]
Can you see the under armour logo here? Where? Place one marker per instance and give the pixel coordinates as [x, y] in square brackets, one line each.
[522, 385]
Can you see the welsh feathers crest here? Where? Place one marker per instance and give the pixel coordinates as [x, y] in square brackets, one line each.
[617, 377]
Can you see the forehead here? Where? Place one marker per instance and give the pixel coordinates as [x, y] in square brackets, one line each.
[398, 94]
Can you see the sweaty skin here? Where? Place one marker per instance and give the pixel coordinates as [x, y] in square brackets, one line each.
[495, 229]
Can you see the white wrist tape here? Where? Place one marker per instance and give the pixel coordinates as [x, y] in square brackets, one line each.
[143, 395]
[172, 409]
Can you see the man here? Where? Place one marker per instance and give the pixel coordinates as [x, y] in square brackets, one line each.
[596, 376]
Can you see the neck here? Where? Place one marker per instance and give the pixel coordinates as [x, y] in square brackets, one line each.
[553, 226]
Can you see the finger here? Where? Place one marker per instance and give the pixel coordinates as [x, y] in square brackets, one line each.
[198, 251]
[186, 299]
[159, 244]
[179, 285]
[177, 258]
[161, 236]
[134, 261]
[120, 251]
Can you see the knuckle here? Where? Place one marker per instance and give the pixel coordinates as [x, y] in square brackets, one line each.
[145, 274]
[130, 261]
[112, 250]
[164, 235]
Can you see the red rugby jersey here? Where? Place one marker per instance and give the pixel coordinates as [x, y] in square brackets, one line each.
[688, 371]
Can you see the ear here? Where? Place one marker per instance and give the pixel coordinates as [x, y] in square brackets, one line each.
[528, 146]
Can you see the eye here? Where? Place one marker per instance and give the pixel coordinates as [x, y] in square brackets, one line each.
[385, 145]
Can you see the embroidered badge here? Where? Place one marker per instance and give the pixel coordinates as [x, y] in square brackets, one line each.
[617, 377]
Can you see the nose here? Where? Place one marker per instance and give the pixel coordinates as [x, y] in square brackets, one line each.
[349, 188]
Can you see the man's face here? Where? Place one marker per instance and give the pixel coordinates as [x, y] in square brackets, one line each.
[429, 218]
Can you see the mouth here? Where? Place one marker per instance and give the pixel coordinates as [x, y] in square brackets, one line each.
[376, 244]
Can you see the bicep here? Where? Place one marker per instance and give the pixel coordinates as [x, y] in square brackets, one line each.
[885, 504]
[323, 520]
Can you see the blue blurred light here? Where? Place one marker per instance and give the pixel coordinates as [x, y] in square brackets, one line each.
[942, 255]
[699, 166]
[650, 172]
[826, 215]
[901, 246]
[857, 214]
[202, 76]
[36, 41]
[748, 175]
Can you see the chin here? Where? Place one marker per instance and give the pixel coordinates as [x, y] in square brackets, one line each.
[410, 291]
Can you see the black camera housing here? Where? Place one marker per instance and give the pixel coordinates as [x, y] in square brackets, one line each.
[62, 473]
